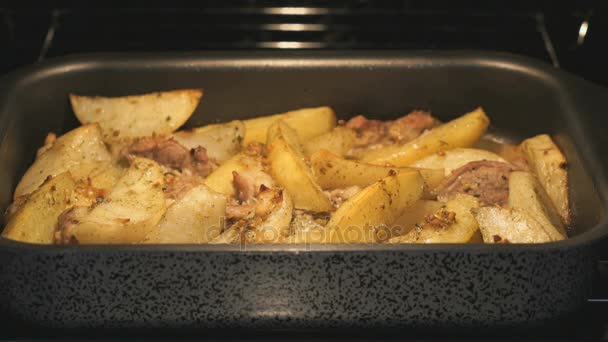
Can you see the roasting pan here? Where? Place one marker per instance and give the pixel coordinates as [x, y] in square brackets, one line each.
[307, 286]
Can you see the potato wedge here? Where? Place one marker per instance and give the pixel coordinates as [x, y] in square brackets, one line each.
[272, 229]
[222, 141]
[288, 168]
[501, 225]
[305, 230]
[197, 217]
[442, 228]
[36, 219]
[526, 194]
[221, 179]
[70, 151]
[94, 181]
[413, 215]
[337, 141]
[464, 131]
[333, 172]
[453, 159]
[130, 212]
[366, 216]
[308, 122]
[137, 115]
[275, 228]
[550, 166]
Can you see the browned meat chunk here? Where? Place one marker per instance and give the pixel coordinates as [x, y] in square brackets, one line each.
[486, 180]
[371, 132]
[410, 126]
[172, 154]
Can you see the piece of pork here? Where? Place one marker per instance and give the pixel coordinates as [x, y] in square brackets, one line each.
[486, 180]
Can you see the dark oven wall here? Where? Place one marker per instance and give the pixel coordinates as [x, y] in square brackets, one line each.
[567, 34]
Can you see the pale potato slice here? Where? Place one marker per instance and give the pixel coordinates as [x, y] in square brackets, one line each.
[308, 122]
[196, 217]
[366, 216]
[222, 141]
[82, 145]
[502, 225]
[305, 230]
[526, 194]
[338, 141]
[221, 179]
[288, 168]
[36, 219]
[453, 159]
[137, 115]
[464, 131]
[452, 224]
[95, 180]
[130, 211]
[275, 228]
[551, 167]
[413, 215]
[333, 172]
[230, 235]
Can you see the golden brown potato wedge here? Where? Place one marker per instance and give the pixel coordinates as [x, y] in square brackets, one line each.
[502, 225]
[526, 194]
[36, 219]
[196, 217]
[337, 141]
[83, 145]
[130, 211]
[366, 216]
[222, 141]
[413, 215]
[288, 168]
[453, 159]
[452, 224]
[308, 122]
[551, 167]
[333, 172]
[137, 115]
[464, 131]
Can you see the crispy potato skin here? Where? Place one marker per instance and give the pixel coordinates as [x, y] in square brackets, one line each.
[288, 168]
[36, 220]
[365, 217]
[464, 131]
[308, 123]
[551, 167]
[137, 115]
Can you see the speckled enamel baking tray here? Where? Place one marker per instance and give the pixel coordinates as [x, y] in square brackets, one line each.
[298, 286]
